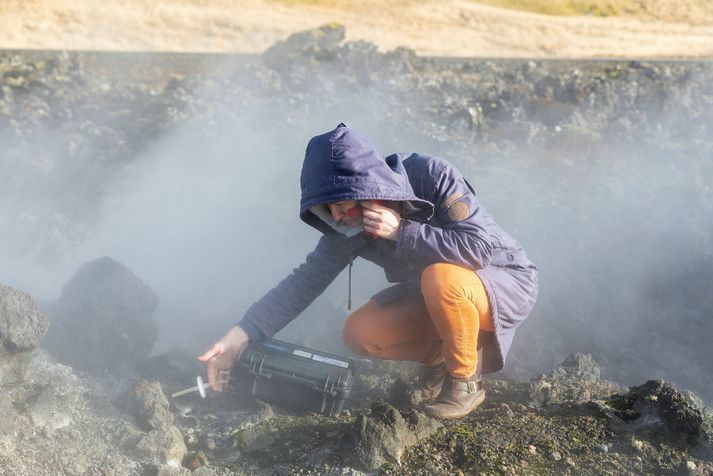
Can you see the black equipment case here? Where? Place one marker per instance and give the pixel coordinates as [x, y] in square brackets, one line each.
[297, 377]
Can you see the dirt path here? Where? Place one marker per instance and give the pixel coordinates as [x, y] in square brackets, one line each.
[431, 27]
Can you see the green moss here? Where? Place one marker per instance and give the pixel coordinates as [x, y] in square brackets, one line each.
[624, 406]
[489, 443]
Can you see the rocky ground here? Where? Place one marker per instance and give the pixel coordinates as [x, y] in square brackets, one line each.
[611, 155]
[56, 420]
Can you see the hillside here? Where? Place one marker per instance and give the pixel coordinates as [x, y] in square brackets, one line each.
[493, 28]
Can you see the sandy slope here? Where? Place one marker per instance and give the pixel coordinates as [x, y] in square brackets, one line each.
[431, 27]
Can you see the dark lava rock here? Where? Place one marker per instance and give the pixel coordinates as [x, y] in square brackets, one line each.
[382, 436]
[402, 395]
[146, 402]
[575, 380]
[657, 406]
[388, 380]
[102, 321]
[21, 323]
[176, 367]
[320, 43]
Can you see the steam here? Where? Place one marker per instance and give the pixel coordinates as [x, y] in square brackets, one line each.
[211, 223]
[206, 213]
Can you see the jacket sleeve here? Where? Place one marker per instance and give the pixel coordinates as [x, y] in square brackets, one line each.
[456, 233]
[293, 294]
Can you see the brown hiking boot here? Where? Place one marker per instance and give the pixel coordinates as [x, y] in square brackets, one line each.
[459, 397]
[430, 380]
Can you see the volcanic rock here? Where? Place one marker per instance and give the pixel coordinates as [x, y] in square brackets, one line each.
[387, 380]
[163, 442]
[575, 380]
[580, 366]
[8, 414]
[253, 439]
[175, 366]
[165, 470]
[382, 436]
[55, 419]
[21, 328]
[321, 43]
[102, 321]
[21, 323]
[49, 408]
[164, 446]
[658, 407]
[146, 402]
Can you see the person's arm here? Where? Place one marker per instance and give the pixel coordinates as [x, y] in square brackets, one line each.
[456, 234]
[278, 307]
[297, 291]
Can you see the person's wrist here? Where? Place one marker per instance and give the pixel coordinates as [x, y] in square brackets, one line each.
[237, 337]
[238, 330]
[395, 232]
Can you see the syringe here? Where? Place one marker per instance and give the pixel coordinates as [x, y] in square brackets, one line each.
[200, 387]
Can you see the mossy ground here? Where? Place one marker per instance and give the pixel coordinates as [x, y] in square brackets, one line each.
[496, 440]
[504, 437]
[307, 441]
[558, 440]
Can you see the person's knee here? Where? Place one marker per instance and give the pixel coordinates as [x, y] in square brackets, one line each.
[356, 335]
[437, 282]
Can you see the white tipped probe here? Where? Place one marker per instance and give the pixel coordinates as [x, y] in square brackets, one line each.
[198, 388]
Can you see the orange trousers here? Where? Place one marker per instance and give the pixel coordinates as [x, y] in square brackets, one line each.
[442, 326]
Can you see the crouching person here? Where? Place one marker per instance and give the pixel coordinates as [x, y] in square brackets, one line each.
[462, 283]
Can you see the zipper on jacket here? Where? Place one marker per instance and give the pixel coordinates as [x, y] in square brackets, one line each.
[349, 299]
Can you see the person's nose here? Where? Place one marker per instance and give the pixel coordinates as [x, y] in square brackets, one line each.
[337, 213]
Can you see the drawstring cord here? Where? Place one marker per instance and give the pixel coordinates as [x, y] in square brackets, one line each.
[349, 299]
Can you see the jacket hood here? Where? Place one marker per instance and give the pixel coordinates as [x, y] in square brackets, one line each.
[342, 165]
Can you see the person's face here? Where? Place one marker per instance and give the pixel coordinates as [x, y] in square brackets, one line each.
[347, 212]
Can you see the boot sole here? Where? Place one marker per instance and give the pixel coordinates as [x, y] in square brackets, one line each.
[453, 416]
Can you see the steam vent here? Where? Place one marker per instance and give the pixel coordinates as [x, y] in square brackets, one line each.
[148, 199]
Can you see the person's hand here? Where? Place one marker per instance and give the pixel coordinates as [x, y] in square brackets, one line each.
[380, 221]
[221, 358]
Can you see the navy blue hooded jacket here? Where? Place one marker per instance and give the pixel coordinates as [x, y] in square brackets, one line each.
[442, 222]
